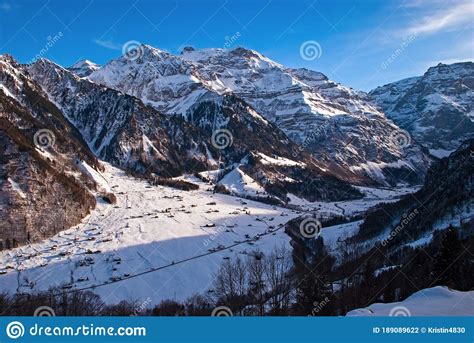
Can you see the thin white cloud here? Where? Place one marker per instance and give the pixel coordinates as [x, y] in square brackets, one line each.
[5, 6]
[454, 16]
[423, 3]
[108, 44]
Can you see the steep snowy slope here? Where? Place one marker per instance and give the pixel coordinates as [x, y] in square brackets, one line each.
[403, 237]
[119, 128]
[446, 198]
[436, 108]
[333, 122]
[158, 78]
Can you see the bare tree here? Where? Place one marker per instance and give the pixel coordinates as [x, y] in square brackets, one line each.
[257, 283]
[230, 285]
[278, 266]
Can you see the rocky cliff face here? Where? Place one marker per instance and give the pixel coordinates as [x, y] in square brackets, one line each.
[44, 186]
[436, 108]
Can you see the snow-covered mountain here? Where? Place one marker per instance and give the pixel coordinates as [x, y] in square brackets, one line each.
[436, 108]
[122, 130]
[83, 68]
[119, 128]
[335, 123]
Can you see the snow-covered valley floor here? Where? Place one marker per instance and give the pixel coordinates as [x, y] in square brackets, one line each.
[157, 242]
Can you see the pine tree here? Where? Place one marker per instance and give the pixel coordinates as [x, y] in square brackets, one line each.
[313, 292]
[367, 288]
[446, 270]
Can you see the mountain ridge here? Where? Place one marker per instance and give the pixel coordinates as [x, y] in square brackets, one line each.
[131, 135]
[313, 111]
[436, 107]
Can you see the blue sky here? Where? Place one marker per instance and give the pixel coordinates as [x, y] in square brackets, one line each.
[360, 43]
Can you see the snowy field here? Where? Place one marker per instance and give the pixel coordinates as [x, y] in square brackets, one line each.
[372, 197]
[157, 242]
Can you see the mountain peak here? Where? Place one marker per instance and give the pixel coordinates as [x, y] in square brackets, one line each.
[455, 69]
[240, 50]
[7, 57]
[148, 47]
[146, 50]
[45, 61]
[187, 49]
[83, 68]
[84, 63]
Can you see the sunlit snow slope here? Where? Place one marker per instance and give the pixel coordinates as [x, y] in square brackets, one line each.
[436, 301]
